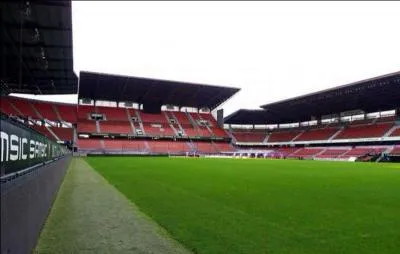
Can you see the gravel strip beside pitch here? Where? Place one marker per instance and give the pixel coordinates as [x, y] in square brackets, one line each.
[91, 216]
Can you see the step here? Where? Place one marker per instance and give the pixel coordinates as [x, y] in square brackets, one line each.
[52, 133]
[391, 130]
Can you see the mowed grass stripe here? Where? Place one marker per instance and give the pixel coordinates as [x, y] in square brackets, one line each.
[91, 216]
[265, 206]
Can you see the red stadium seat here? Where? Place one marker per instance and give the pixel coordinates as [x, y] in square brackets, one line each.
[7, 108]
[64, 134]
[153, 118]
[124, 145]
[86, 126]
[317, 134]
[113, 114]
[306, 153]
[25, 107]
[364, 131]
[255, 137]
[84, 111]
[333, 153]
[395, 151]
[115, 127]
[68, 113]
[182, 118]
[282, 136]
[224, 147]
[396, 133]
[154, 130]
[42, 129]
[168, 146]
[360, 151]
[45, 110]
[89, 144]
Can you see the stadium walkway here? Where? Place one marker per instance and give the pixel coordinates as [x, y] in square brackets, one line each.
[91, 216]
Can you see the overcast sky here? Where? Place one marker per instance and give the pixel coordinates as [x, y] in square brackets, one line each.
[271, 50]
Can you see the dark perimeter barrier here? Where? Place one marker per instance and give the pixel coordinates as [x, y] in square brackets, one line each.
[32, 169]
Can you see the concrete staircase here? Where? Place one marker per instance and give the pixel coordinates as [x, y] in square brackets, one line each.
[298, 135]
[191, 120]
[140, 122]
[36, 111]
[336, 133]
[98, 127]
[57, 113]
[231, 136]
[130, 121]
[52, 133]
[178, 123]
[15, 108]
[208, 127]
[190, 145]
[387, 151]
[321, 152]
[146, 144]
[266, 139]
[170, 123]
[215, 148]
[389, 132]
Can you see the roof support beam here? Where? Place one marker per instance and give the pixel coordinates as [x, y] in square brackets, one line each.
[39, 44]
[33, 25]
[19, 54]
[34, 59]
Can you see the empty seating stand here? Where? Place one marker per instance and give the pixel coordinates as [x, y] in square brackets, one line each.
[158, 130]
[182, 118]
[168, 146]
[7, 108]
[64, 134]
[333, 153]
[153, 118]
[286, 151]
[84, 111]
[121, 145]
[224, 147]
[396, 132]
[46, 110]
[317, 134]
[68, 113]
[364, 131]
[282, 136]
[395, 151]
[89, 144]
[114, 127]
[254, 137]
[204, 147]
[25, 107]
[42, 129]
[306, 153]
[360, 151]
[190, 131]
[113, 114]
[86, 126]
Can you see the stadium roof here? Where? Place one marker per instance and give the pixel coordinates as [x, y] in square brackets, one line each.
[372, 95]
[98, 86]
[36, 48]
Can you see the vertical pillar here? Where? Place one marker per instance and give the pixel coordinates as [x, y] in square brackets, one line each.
[220, 118]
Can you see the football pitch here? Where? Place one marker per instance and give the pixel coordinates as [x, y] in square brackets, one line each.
[264, 206]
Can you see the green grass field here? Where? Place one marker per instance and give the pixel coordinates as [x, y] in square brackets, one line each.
[265, 206]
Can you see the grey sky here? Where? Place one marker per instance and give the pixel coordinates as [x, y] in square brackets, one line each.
[272, 50]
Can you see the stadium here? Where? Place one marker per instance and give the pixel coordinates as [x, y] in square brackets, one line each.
[146, 165]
